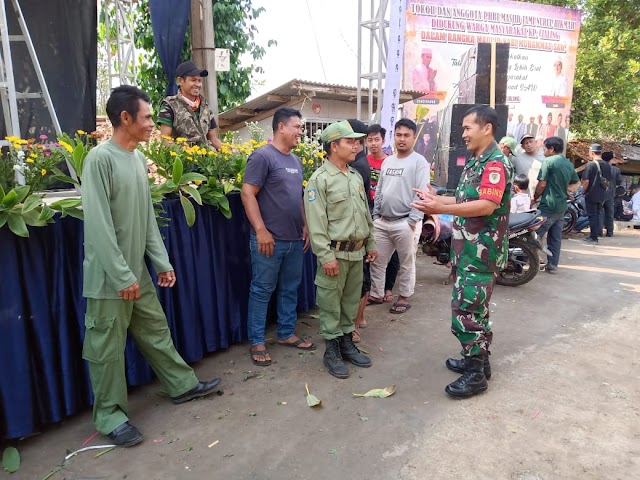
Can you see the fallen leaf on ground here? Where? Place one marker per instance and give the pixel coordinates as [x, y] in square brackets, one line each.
[333, 451]
[312, 400]
[252, 414]
[214, 443]
[378, 392]
[187, 449]
[364, 419]
[158, 440]
[314, 316]
[11, 459]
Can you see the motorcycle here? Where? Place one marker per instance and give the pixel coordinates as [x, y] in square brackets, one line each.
[523, 261]
[576, 209]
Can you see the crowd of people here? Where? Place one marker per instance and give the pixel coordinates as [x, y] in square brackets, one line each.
[360, 213]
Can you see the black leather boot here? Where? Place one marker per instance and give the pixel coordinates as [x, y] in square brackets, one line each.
[472, 380]
[458, 366]
[350, 352]
[333, 360]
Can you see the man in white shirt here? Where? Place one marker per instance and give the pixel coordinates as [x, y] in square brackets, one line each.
[635, 202]
[528, 162]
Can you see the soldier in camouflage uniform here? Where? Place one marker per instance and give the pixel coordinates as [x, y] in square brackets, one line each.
[478, 246]
[187, 114]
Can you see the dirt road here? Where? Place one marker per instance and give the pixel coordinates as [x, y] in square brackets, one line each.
[563, 402]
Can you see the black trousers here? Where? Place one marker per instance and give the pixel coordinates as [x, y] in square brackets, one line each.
[594, 211]
[608, 215]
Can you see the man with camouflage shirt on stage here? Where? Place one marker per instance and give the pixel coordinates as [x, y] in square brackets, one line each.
[479, 245]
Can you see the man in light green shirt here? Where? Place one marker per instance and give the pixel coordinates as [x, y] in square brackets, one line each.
[341, 233]
[120, 229]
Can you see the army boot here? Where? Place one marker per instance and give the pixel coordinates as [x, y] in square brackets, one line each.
[458, 366]
[333, 360]
[350, 352]
[472, 380]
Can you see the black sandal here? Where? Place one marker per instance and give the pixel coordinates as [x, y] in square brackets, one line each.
[260, 353]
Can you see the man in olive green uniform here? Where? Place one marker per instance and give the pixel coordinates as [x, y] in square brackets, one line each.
[120, 229]
[341, 233]
[478, 246]
[187, 114]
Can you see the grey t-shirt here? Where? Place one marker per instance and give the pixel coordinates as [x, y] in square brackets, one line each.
[394, 192]
[279, 177]
[528, 165]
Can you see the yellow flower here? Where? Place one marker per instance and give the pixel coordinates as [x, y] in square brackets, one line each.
[319, 154]
[211, 153]
[43, 172]
[17, 146]
[29, 160]
[166, 137]
[239, 178]
[81, 132]
[173, 154]
[67, 147]
[181, 140]
[11, 139]
[304, 183]
[198, 182]
[203, 151]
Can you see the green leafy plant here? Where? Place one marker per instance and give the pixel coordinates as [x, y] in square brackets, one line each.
[182, 184]
[74, 151]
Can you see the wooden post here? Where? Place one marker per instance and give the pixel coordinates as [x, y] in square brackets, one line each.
[203, 48]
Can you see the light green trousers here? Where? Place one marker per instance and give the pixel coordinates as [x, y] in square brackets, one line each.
[107, 322]
[338, 298]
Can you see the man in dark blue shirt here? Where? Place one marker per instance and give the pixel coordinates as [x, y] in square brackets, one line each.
[272, 198]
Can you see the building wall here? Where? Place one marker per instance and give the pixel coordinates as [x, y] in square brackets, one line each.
[316, 111]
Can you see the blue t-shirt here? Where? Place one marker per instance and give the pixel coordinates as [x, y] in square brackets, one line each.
[279, 177]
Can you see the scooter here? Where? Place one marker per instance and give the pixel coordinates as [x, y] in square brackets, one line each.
[576, 209]
[523, 261]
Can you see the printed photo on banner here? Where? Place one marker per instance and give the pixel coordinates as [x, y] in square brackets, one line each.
[440, 37]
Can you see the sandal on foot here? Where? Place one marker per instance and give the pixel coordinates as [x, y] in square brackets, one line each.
[388, 298]
[400, 308]
[355, 336]
[374, 301]
[260, 353]
[297, 344]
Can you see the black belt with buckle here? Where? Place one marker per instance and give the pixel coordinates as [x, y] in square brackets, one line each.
[347, 245]
[393, 219]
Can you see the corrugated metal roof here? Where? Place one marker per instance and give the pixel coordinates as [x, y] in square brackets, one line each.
[294, 91]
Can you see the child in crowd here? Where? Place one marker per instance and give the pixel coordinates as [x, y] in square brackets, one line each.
[521, 202]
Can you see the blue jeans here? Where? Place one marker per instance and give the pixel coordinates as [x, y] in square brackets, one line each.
[283, 270]
[553, 228]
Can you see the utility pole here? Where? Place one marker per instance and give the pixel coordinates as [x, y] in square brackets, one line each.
[203, 48]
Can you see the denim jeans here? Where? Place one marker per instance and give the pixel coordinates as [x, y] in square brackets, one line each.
[282, 270]
[553, 228]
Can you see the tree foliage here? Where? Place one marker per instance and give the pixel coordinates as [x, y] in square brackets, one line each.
[235, 29]
[606, 95]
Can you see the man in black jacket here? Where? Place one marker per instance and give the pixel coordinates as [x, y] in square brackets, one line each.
[361, 165]
[616, 179]
[596, 181]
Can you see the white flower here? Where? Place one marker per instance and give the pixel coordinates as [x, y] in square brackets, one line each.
[20, 154]
[17, 168]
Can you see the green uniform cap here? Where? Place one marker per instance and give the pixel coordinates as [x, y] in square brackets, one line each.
[509, 142]
[339, 130]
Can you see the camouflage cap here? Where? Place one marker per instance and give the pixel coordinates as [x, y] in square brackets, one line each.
[338, 130]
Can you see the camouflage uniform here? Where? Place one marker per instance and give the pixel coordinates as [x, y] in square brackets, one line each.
[186, 123]
[479, 248]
